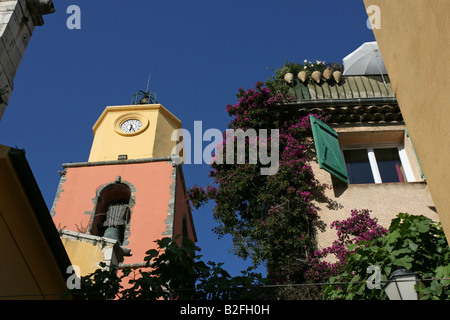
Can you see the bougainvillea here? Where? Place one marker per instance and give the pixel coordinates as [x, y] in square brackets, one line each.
[358, 227]
[270, 217]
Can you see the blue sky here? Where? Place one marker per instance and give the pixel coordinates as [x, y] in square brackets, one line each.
[198, 52]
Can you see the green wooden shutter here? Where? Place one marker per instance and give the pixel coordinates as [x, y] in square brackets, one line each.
[328, 151]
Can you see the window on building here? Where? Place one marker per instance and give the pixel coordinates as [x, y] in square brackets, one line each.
[358, 166]
[377, 165]
[370, 156]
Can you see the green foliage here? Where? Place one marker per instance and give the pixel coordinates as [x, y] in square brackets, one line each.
[171, 274]
[174, 272]
[413, 242]
[277, 84]
[215, 283]
[100, 285]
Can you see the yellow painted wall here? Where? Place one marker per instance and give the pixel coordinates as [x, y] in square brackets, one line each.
[84, 253]
[28, 269]
[154, 141]
[414, 40]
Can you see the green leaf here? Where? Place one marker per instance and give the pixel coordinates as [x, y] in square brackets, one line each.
[403, 262]
[164, 242]
[423, 226]
[152, 253]
[126, 271]
[387, 270]
[436, 288]
[443, 272]
[361, 289]
[355, 278]
[391, 237]
[412, 245]
[401, 251]
[388, 247]
[350, 296]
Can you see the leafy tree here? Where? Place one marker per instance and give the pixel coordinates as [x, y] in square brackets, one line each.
[172, 272]
[100, 285]
[413, 242]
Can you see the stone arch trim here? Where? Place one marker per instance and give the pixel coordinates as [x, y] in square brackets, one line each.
[132, 202]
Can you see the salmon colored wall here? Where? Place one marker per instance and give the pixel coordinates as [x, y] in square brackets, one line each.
[152, 182]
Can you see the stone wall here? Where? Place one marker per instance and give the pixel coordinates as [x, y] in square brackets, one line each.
[18, 18]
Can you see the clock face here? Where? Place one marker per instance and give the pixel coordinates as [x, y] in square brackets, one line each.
[131, 126]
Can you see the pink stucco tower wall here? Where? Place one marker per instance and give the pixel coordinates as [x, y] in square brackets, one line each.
[153, 188]
[157, 203]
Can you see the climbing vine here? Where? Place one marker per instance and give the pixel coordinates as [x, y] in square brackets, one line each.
[332, 260]
[270, 217]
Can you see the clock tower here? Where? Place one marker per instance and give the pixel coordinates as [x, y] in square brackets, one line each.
[131, 190]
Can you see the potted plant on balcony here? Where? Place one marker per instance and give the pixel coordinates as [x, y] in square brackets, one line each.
[336, 69]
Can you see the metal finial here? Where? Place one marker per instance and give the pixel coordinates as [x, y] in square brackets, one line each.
[146, 97]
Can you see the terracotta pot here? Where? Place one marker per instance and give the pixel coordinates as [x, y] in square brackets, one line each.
[302, 75]
[337, 75]
[317, 76]
[327, 74]
[289, 77]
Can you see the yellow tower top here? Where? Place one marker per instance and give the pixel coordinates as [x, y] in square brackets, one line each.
[133, 132]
